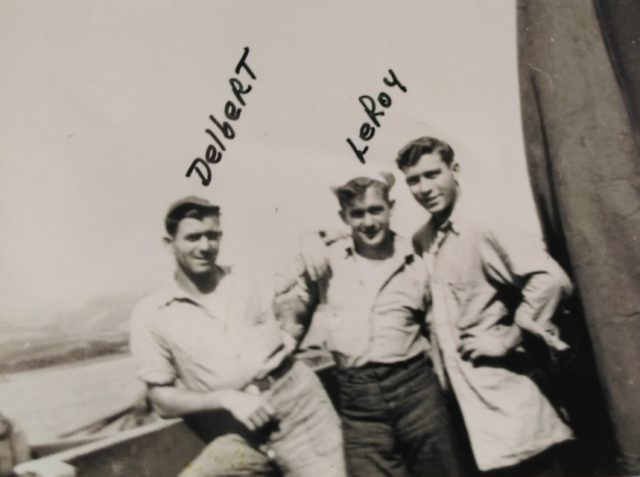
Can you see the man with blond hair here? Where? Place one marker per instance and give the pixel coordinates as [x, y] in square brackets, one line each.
[374, 295]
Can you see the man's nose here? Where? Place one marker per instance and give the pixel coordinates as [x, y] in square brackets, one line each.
[368, 220]
[426, 186]
[204, 244]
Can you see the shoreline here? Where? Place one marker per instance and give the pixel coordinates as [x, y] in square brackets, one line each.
[5, 376]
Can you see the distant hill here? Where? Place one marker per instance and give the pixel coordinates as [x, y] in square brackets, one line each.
[98, 327]
[105, 314]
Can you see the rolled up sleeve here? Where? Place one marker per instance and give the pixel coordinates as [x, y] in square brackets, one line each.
[296, 298]
[152, 357]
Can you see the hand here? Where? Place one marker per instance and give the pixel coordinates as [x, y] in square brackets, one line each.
[313, 251]
[250, 409]
[487, 344]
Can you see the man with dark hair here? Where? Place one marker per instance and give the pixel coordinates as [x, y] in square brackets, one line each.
[205, 345]
[491, 288]
[412, 152]
[373, 292]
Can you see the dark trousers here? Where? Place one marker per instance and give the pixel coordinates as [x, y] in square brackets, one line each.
[546, 464]
[395, 421]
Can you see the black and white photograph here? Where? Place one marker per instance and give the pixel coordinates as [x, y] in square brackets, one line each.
[316, 238]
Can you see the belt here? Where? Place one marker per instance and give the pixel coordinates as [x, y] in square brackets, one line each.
[265, 383]
[397, 364]
[372, 365]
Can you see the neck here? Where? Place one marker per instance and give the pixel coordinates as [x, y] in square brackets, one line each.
[441, 217]
[379, 252]
[198, 285]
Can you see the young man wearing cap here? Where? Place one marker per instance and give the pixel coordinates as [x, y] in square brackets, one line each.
[208, 351]
[395, 422]
[491, 287]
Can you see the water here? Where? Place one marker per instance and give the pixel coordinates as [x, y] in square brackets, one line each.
[52, 401]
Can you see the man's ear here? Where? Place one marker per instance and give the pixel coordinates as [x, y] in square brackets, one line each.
[167, 242]
[455, 169]
[391, 204]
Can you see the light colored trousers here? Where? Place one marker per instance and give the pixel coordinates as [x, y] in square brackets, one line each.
[306, 443]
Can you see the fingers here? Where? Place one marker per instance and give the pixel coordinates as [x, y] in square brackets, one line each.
[470, 349]
[258, 419]
[466, 346]
[469, 346]
[269, 409]
[249, 424]
[482, 346]
[466, 353]
[250, 408]
[473, 355]
[261, 416]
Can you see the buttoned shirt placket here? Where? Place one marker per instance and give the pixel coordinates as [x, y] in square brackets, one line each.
[371, 295]
[220, 317]
[442, 339]
[497, 447]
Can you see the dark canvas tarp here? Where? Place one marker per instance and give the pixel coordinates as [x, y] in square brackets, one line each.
[580, 88]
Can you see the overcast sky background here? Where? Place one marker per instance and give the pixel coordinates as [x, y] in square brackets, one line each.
[104, 106]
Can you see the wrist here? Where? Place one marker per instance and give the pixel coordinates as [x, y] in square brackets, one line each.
[222, 399]
[512, 339]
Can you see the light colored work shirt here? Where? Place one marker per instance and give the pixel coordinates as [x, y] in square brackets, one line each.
[221, 341]
[486, 277]
[373, 311]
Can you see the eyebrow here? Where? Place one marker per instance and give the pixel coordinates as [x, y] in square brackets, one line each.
[205, 233]
[427, 171]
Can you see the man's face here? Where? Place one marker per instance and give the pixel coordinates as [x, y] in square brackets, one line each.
[433, 183]
[196, 244]
[369, 217]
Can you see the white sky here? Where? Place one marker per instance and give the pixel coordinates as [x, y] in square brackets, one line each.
[103, 105]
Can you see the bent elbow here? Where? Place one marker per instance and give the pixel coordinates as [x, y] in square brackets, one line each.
[564, 283]
[163, 412]
[159, 406]
[555, 282]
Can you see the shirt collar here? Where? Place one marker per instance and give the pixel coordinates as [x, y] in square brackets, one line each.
[173, 291]
[401, 248]
[454, 221]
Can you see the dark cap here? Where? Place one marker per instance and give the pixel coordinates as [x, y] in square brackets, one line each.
[179, 208]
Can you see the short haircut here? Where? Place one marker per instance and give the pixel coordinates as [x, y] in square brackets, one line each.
[411, 153]
[188, 211]
[356, 188]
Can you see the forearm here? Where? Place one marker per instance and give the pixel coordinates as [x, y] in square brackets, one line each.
[250, 409]
[294, 321]
[512, 338]
[295, 301]
[542, 292]
[170, 401]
